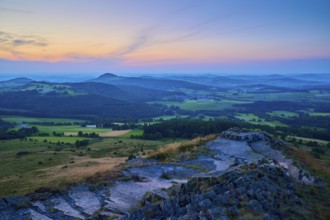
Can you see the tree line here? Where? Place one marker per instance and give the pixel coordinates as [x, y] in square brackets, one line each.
[186, 128]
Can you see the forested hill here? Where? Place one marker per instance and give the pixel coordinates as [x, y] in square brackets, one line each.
[83, 106]
[148, 82]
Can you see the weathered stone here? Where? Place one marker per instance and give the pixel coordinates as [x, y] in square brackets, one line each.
[239, 182]
[202, 215]
[18, 201]
[205, 204]
[259, 196]
[255, 206]
[196, 199]
[250, 193]
[181, 211]
[233, 211]
[210, 195]
[265, 205]
[240, 190]
[191, 208]
[216, 212]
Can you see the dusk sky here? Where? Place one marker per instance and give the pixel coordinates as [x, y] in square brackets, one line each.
[164, 36]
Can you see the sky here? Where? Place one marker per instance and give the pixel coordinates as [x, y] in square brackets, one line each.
[164, 36]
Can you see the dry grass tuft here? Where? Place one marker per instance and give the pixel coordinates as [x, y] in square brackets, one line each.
[174, 150]
[316, 166]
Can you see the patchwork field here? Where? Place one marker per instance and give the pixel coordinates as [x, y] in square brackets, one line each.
[318, 114]
[23, 119]
[254, 119]
[283, 114]
[204, 104]
[70, 128]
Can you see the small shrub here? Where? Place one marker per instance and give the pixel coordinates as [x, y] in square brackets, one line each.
[22, 153]
[165, 175]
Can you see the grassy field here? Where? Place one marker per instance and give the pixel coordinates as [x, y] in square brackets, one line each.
[169, 117]
[54, 139]
[254, 119]
[70, 129]
[305, 140]
[23, 119]
[46, 87]
[318, 114]
[135, 132]
[283, 114]
[208, 104]
[27, 165]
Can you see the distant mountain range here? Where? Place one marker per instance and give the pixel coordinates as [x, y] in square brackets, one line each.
[110, 95]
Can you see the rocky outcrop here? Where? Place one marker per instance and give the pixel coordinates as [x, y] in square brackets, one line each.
[240, 175]
[240, 135]
[262, 190]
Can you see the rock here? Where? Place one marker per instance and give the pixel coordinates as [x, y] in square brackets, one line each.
[202, 215]
[240, 191]
[37, 216]
[250, 193]
[233, 211]
[216, 212]
[191, 208]
[63, 206]
[209, 195]
[39, 205]
[205, 204]
[196, 199]
[85, 199]
[18, 201]
[255, 206]
[181, 211]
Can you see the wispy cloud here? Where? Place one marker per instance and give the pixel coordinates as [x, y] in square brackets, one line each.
[12, 43]
[150, 36]
[13, 10]
[13, 40]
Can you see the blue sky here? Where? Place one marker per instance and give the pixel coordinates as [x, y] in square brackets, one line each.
[164, 36]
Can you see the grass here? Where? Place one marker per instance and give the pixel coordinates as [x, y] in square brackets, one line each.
[47, 87]
[316, 198]
[173, 151]
[70, 129]
[207, 104]
[27, 165]
[319, 114]
[135, 132]
[305, 140]
[54, 139]
[254, 119]
[123, 147]
[169, 117]
[23, 119]
[283, 114]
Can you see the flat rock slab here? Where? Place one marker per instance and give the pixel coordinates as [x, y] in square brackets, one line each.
[237, 149]
[125, 195]
[62, 205]
[268, 151]
[37, 216]
[39, 205]
[155, 171]
[85, 199]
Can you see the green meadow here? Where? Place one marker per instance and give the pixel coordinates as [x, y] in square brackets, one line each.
[283, 114]
[70, 129]
[319, 114]
[27, 165]
[22, 119]
[254, 119]
[207, 104]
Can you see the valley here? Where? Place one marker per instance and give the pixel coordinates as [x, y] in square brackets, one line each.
[72, 137]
